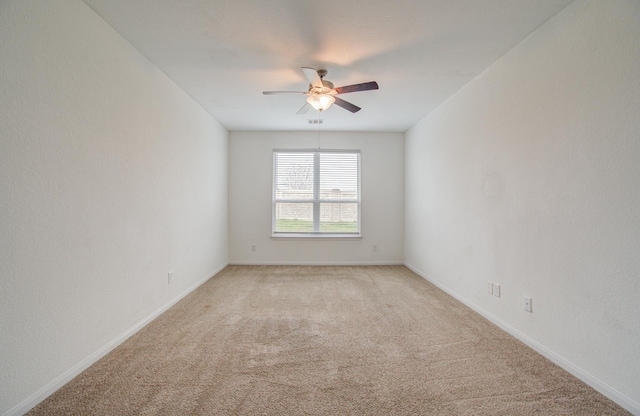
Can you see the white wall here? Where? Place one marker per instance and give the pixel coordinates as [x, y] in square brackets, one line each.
[530, 177]
[250, 182]
[110, 177]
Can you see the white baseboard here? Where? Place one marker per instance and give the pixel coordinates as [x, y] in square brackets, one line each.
[603, 388]
[33, 400]
[316, 263]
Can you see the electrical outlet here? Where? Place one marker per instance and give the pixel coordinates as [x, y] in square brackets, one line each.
[375, 247]
[496, 290]
[253, 247]
[527, 304]
[170, 277]
[490, 288]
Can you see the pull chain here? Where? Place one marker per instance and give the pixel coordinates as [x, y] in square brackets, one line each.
[319, 122]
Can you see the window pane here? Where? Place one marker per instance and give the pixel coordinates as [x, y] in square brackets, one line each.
[339, 176]
[293, 176]
[336, 217]
[294, 217]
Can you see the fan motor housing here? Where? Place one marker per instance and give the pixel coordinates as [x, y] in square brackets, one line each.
[328, 85]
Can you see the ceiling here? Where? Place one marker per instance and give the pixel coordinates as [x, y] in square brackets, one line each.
[224, 53]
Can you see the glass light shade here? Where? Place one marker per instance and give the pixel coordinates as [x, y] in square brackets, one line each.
[321, 101]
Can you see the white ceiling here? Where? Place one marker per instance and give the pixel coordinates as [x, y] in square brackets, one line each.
[224, 53]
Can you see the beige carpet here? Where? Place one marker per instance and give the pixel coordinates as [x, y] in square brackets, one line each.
[290, 340]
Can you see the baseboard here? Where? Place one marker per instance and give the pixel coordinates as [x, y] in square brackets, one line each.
[33, 400]
[603, 388]
[316, 263]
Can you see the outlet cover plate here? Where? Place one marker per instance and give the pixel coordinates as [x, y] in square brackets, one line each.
[496, 290]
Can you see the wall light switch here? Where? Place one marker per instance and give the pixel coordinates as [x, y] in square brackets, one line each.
[527, 304]
[490, 288]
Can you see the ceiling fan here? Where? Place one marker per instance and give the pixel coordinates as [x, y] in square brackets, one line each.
[322, 93]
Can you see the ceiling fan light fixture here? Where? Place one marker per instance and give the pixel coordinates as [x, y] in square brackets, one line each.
[321, 101]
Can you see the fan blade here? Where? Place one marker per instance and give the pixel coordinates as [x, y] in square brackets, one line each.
[346, 105]
[283, 92]
[312, 76]
[365, 86]
[305, 108]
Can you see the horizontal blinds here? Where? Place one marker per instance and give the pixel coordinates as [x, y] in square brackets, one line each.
[339, 176]
[293, 176]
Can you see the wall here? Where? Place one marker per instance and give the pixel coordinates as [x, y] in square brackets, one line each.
[530, 177]
[111, 177]
[250, 185]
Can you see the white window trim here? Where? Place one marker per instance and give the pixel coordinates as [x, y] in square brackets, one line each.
[316, 200]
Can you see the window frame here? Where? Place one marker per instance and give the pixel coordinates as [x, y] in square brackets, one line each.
[317, 201]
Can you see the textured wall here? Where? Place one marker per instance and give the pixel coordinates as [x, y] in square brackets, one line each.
[382, 193]
[110, 177]
[530, 177]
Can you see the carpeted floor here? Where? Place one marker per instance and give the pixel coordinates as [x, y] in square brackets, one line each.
[308, 340]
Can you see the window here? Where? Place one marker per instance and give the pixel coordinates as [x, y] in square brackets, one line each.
[316, 193]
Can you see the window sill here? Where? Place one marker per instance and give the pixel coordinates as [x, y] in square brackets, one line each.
[315, 236]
